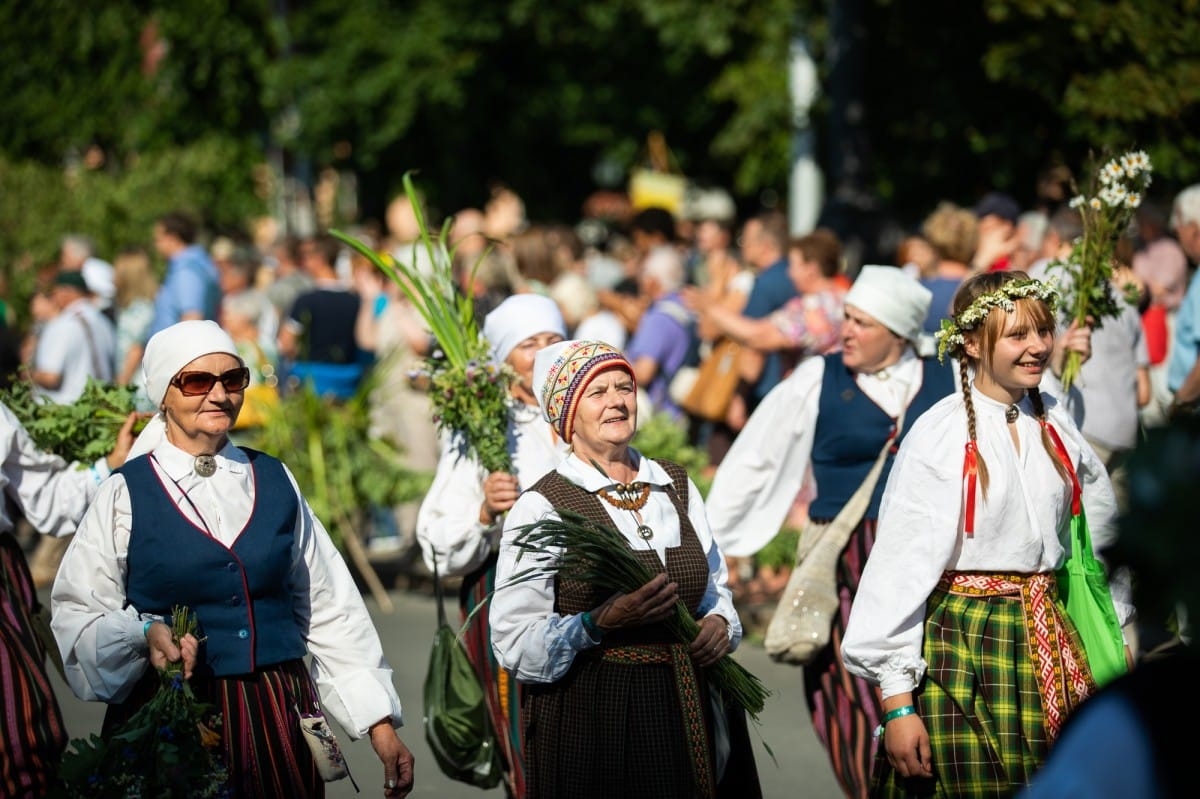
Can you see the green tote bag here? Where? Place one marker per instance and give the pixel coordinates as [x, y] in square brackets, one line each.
[457, 725]
[1083, 588]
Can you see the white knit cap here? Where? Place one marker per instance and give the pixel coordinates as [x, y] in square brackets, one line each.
[519, 317]
[173, 348]
[894, 299]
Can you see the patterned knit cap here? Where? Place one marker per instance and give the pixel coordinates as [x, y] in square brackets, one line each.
[563, 371]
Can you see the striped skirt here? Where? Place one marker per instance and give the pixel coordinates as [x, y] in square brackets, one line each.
[32, 736]
[1005, 668]
[503, 692]
[264, 750]
[845, 708]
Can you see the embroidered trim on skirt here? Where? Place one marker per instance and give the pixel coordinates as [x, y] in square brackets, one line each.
[1000, 653]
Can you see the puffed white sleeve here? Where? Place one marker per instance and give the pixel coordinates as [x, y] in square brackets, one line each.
[759, 477]
[100, 637]
[353, 678]
[914, 541]
[529, 638]
[448, 520]
[718, 599]
[52, 493]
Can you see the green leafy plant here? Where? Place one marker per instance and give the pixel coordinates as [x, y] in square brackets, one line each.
[469, 393]
[780, 551]
[169, 748]
[84, 430]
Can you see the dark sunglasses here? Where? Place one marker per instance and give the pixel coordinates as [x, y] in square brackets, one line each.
[196, 384]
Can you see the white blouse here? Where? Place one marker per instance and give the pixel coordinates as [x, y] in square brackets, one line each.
[448, 521]
[1022, 526]
[759, 477]
[52, 494]
[103, 647]
[539, 645]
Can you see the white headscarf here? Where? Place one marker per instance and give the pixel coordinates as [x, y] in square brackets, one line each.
[167, 352]
[519, 317]
[894, 299]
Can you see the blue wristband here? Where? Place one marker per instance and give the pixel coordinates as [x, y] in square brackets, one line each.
[904, 710]
[146, 629]
[589, 624]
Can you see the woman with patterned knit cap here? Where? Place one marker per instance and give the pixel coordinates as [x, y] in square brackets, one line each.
[608, 687]
[833, 416]
[459, 519]
[956, 619]
[192, 520]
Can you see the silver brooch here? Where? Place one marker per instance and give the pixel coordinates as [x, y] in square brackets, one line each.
[205, 465]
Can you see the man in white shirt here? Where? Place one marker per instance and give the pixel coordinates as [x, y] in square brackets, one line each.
[77, 344]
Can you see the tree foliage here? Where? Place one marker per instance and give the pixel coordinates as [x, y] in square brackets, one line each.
[952, 98]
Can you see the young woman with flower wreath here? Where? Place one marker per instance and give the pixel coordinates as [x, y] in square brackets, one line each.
[956, 617]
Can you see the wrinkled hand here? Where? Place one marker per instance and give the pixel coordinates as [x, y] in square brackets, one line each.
[397, 760]
[906, 742]
[125, 438]
[500, 492]
[650, 604]
[164, 650]
[712, 642]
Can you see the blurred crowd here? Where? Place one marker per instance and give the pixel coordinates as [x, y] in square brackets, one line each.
[713, 308]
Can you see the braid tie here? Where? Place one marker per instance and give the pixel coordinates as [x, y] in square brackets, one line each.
[973, 467]
[1039, 410]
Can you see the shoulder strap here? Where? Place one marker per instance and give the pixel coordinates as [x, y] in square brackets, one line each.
[1076, 491]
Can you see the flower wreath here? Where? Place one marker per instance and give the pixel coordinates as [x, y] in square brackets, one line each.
[950, 336]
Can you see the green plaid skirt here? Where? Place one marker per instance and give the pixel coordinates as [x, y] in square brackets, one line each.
[981, 699]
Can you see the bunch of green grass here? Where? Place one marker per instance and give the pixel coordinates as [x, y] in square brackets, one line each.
[469, 395]
[598, 554]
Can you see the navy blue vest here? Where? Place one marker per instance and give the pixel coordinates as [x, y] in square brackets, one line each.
[851, 428]
[242, 596]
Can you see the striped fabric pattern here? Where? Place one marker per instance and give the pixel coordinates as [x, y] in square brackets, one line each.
[845, 708]
[502, 691]
[32, 736]
[982, 696]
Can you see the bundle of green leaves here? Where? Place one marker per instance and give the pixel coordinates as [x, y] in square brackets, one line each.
[470, 395]
[83, 430]
[169, 748]
[599, 555]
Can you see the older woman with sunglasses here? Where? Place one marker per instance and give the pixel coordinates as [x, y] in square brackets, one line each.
[192, 520]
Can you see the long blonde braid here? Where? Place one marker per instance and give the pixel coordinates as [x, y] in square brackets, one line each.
[1039, 410]
[965, 379]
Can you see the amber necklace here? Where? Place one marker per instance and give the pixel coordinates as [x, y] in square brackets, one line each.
[628, 496]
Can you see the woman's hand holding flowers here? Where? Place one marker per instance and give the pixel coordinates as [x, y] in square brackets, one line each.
[164, 649]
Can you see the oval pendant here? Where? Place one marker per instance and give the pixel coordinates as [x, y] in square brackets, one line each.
[645, 532]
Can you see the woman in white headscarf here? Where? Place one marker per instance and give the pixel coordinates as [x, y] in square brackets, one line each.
[186, 521]
[834, 414]
[461, 517]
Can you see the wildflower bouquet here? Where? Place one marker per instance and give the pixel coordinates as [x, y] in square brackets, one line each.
[1115, 193]
[170, 748]
[469, 393]
[598, 554]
